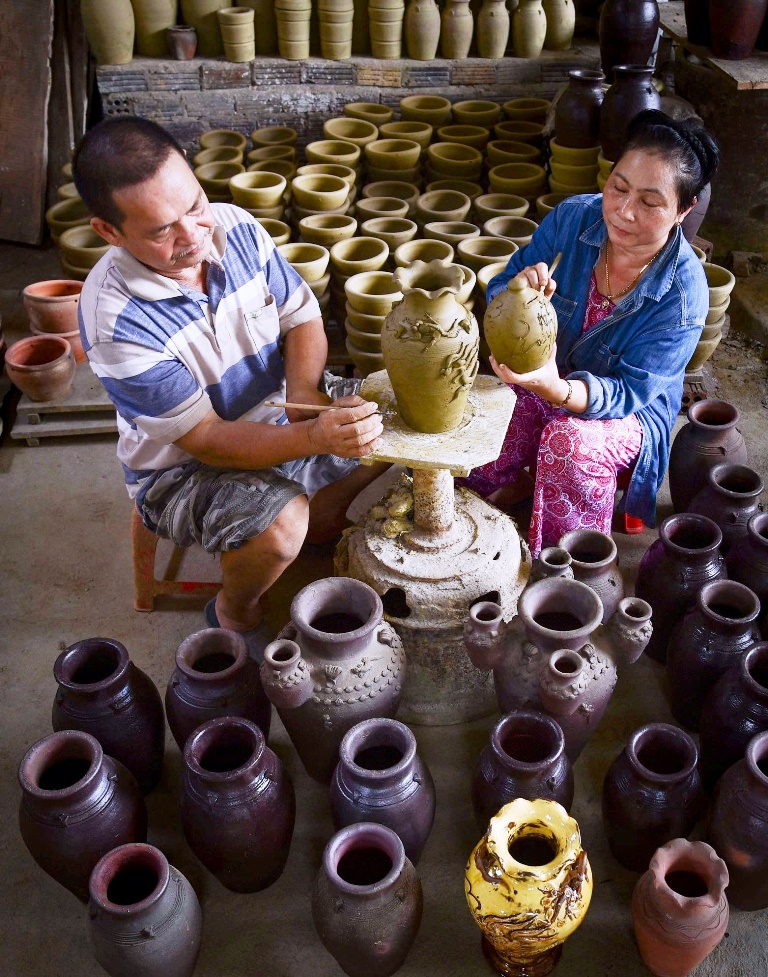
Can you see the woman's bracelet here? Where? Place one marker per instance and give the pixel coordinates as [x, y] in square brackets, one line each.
[567, 396]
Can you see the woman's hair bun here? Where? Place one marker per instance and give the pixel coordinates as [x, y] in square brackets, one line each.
[702, 144]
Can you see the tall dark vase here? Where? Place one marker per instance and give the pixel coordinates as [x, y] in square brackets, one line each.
[577, 113]
[747, 560]
[103, 693]
[730, 498]
[632, 92]
[697, 22]
[735, 26]
[627, 32]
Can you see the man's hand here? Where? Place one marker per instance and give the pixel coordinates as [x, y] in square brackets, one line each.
[305, 395]
[349, 432]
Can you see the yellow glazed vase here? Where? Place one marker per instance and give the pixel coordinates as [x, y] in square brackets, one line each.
[528, 885]
[520, 327]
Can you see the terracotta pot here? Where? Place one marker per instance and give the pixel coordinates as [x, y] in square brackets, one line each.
[51, 306]
[457, 28]
[709, 438]
[153, 18]
[594, 561]
[529, 28]
[367, 901]
[181, 42]
[672, 571]
[631, 92]
[652, 793]
[144, 919]
[73, 338]
[42, 367]
[628, 30]
[679, 907]
[735, 27]
[110, 29]
[561, 22]
[747, 560]
[202, 15]
[77, 804]
[577, 113]
[493, 25]
[520, 327]
[730, 499]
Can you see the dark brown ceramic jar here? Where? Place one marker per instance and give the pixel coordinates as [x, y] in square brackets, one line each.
[730, 499]
[577, 113]
[381, 778]
[631, 92]
[594, 561]
[77, 804]
[697, 22]
[747, 560]
[524, 758]
[735, 25]
[103, 693]
[237, 804]
[627, 34]
[144, 917]
[214, 677]
[651, 794]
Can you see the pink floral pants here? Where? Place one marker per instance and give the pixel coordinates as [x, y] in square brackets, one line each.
[577, 462]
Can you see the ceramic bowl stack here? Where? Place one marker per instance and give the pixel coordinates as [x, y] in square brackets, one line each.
[394, 188]
[271, 136]
[261, 193]
[326, 229]
[81, 248]
[339, 152]
[573, 170]
[357, 131]
[262, 153]
[442, 205]
[419, 132]
[348, 258]
[432, 109]
[453, 160]
[311, 262]
[526, 110]
[477, 137]
[393, 160]
[319, 193]
[476, 252]
[547, 202]
[373, 112]
[393, 231]
[527, 180]
[720, 282]
[520, 130]
[218, 138]
[51, 308]
[214, 179]
[490, 205]
[65, 214]
[279, 231]
[516, 229]
[370, 296]
[451, 232]
[466, 294]
[218, 154]
[423, 250]
[468, 187]
[476, 112]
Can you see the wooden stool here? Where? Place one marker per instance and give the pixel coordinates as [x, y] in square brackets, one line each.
[146, 585]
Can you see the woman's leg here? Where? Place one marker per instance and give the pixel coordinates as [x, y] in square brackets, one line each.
[576, 468]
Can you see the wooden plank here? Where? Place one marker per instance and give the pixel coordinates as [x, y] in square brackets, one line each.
[26, 34]
[68, 426]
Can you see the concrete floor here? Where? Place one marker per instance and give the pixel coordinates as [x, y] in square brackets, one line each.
[66, 575]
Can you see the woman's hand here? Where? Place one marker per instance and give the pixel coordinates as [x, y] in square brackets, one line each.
[537, 276]
[545, 381]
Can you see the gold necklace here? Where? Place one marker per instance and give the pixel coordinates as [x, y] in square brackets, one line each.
[611, 296]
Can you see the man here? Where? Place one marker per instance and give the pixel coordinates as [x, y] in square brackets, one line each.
[192, 321]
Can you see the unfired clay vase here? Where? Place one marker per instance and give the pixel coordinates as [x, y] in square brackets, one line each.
[334, 665]
[679, 907]
[202, 15]
[529, 864]
[520, 327]
[153, 18]
[561, 22]
[367, 901]
[144, 919]
[493, 25]
[730, 498]
[628, 30]
[422, 29]
[110, 28]
[594, 561]
[381, 778]
[529, 28]
[430, 347]
[457, 28]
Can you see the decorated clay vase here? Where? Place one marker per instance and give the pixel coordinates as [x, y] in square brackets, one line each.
[652, 793]
[144, 919]
[338, 662]
[730, 498]
[553, 561]
[101, 692]
[679, 907]
[594, 561]
[523, 873]
[577, 111]
[627, 33]
[430, 342]
[520, 327]
[367, 900]
[631, 92]
[525, 757]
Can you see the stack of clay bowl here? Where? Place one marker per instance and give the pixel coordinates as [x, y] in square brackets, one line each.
[261, 193]
[432, 109]
[520, 130]
[394, 188]
[526, 110]
[476, 112]
[51, 308]
[423, 250]
[547, 202]
[393, 231]
[348, 258]
[467, 187]
[490, 205]
[65, 214]
[224, 139]
[373, 112]
[419, 132]
[475, 136]
[604, 171]
[442, 205]
[370, 296]
[218, 154]
[395, 160]
[311, 262]
[67, 191]
[357, 131]
[527, 180]
[326, 229]
[319, 193]
[516, 229]
[269, 137]
[721, 282]
[214, 179]
[284, 168]
[80, 247]
[573, 170]
[453, 161]
[279, 231]
[338, 152]
[477, 252]
[262, 153]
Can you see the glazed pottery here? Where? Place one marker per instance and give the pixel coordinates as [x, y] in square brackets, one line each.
[556, 656]
[747, 560]
[709, 438]
[77, 803]
[422, 29]
[430, 347]
[320, 675]
[679, 907]
[153, 18]
[730, 499]
[516, 878]
[101, 692]
[144, 919]
[697, 22]
[110, 29]
[652, 793]
[525, 757]
[51, 306]
[457, 28]
[672, 571]
[711, 638]
[214, 677]
[42, 367]
[520, 327]
[631, 92]
[181, 42]
[737, 827]
[577, 112]
[367, 900]
[380, 778]
[561, 22]
[202, 15]
[529, 28]
[493, 24]
[237, 804]
[594, 561]
[385, 25]
[735, 27]
[627, 33]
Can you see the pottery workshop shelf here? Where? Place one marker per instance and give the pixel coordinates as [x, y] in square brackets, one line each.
[750, 73]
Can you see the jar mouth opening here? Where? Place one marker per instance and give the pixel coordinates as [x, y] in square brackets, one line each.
[61, 764]
[364, 857]
[129, 878]
[529, 739]
[378, 748]
[211, 654]
[533, 848]
[221, 748]
[589, 548]
[693, 534]
[92, 663]
[686, 883]
[662, 753]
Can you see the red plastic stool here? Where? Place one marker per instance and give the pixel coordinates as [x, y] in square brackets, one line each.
[146, 585]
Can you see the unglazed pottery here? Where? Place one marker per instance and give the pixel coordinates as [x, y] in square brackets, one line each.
[181, 42]
[730, 498]
[493, 25]
[42, 367]
[153, 18]
[594, 561]
[422, 29]
[528, 885]
[529, 28]
[110, 28]
[202, 15]
[52, 305]
[747, 560]
[561, 22]
[520, 326]
[457, 28]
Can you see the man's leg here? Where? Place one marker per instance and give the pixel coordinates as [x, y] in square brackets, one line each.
[328, 508]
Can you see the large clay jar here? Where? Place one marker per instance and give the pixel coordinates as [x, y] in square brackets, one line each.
[577, 111]
[522, 874]
[101, 692]
[422, 29]
[555, 656]
[561, 22]
[492, 29]
[367, 900]
[631, 92]
[266, 30]
[628, 30]
[712, 637]
[110, 29]
[679, 907]
[214, 676]
[747, 560]
[734, 712]
[237, 804]
[525, 757]
[153, 18]
[730, 499]
[652, 793]
[594, 561]
[697, 22]
[735, 27]
[77, 804]
[42, 367]
[672, 571]
[457, 28]
[144, 917]
[737, 827]
[520, 326]
[529, 28]
[430, 346]
[338, 662]
[709, 438]
[202, 15]
[381, 778]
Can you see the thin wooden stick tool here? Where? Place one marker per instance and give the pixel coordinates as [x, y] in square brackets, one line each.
[319, 407]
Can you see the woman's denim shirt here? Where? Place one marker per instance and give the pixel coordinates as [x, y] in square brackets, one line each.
[633, 361]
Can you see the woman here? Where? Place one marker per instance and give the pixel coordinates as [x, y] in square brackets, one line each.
[631, 298]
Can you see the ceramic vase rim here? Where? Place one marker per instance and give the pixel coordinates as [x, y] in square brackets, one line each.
[757, 528]
[606, 543]
[46, 751]
[690, 520]
[355, 740]
[452, 276]
[689, 753]
[117, 859]
[207, 735]
[725, 468]
[591, 75]
[76, 655]
[698, 411]
[364, 834]
[758, 653]
[239, 652]
[328, 588]
[711, 591]
[532, 718]
[680, 855]
[560, 586]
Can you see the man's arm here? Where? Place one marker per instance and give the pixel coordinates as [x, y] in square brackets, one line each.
[305, 351]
